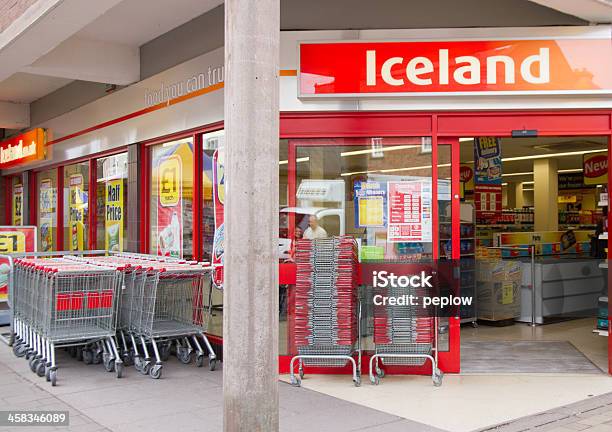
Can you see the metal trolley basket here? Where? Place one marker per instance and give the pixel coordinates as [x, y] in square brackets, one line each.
[327, 311]
[57, 303]
[402, 336]
[162, 303]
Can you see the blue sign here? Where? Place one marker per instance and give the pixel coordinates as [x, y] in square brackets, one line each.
[487, 161]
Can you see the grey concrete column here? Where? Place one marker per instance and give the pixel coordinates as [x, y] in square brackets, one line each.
[250, 299]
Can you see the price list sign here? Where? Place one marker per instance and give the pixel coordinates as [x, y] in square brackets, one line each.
[409, 211]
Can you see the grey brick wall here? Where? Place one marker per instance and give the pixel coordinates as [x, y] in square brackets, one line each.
[10, 10]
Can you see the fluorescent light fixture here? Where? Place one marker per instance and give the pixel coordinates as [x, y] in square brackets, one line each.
[504, 184]
[529, 182]
[465, 139]
[285, 162]
[517, 174]
[527, 190]
[570, 170]
[384, 149]
[544, 156]
[393, 170]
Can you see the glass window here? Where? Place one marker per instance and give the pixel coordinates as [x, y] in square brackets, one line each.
[210, 143]
[16, 201]
[111, 202]
[172, 199]
[76, 200]
[47, 210]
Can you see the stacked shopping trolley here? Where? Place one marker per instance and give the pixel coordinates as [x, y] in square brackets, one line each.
[404, 334]
[60, 303]
[326, 330]
[111, 310]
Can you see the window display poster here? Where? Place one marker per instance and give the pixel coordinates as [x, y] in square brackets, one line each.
[595, 168]
[113, 215]
[17, 213]
[370, 199]
[169, 206]
[219, 203]
[13, 239]
[409, 211]
[487, 160]
[488, 202]
[466, 177]
[47, 203]
[77, 206]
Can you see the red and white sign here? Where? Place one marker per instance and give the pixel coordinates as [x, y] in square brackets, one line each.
[23, 148]
[219, 205]
[595, 168]
[409, 211]
[488, 202]
[13, 239]
[498, 66]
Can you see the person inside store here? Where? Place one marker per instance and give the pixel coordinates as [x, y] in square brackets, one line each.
[314, 230]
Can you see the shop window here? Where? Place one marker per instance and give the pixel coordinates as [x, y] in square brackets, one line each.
[211, 142]
[76, 206]
[171, 200]
[111, 203]
[47, 210]
[16, 201]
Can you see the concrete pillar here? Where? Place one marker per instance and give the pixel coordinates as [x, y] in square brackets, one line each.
[546, 190]
[518, 195]
[250, 296]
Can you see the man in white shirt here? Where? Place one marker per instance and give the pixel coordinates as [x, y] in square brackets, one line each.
[314, 231]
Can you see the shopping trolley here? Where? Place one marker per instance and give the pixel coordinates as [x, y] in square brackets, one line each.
[327, 310]
[403, 336]
[162, 303]
[59, 303]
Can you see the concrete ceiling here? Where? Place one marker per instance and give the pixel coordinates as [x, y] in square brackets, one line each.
[595, 11]
[25, 88]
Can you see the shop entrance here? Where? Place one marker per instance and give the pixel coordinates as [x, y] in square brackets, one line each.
[546, 197]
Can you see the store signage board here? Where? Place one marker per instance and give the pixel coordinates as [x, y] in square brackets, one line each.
[361, 69]
[409, 211]
[13, 239]
[370, 199]
[170, 205]
[23, 148]
[595, 168]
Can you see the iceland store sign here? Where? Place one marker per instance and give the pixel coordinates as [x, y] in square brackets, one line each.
[455, 67]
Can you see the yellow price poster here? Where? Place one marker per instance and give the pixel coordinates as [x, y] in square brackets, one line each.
[370, 201]
[17, 213]
[507, 292]
[77, 206]
[13, 239]
[114, 215]
[170, 182]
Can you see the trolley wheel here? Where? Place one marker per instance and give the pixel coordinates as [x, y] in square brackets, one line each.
[146, 367]
[97, 358]
[48, 374]
[437, 377]
[380, 372]
[374, 379]
[156, 371]
[165, 352]
[474, 324]
[53, 377]
[184, 355]
[295, 381]
[109, 363]
[212, 364]
[119, 369]
[40, 370]
[34, 363]
[88, 356]
[357, 381]
[199, 361]
[19, 350]
[28, 354]
[128, 357]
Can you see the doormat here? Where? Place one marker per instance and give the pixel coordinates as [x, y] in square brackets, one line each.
[524, 357]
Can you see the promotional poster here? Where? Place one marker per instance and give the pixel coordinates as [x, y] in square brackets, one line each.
[114, 215]
[77, 208]
[409, 211]
[487, 179]
[370, 198]
[47, 203]
[219, 200]
[170, 207]
[14, 239]
[17, 214]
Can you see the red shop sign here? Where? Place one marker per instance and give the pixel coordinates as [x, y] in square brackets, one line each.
[23, 148]
[456, 67]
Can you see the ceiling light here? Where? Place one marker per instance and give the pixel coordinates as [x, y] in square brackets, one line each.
[527, 182]
[384, 149]
[527, 190]
[517, 174]
[285, 162]
[544, 156]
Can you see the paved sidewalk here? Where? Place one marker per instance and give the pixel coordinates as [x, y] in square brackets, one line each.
[590, 415]
[185, 399]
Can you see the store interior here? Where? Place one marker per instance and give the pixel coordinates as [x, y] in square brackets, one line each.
[546, 200]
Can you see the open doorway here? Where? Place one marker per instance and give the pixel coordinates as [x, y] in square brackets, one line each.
[538, 207]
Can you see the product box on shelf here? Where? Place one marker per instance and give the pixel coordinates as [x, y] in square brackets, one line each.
[498, 285]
